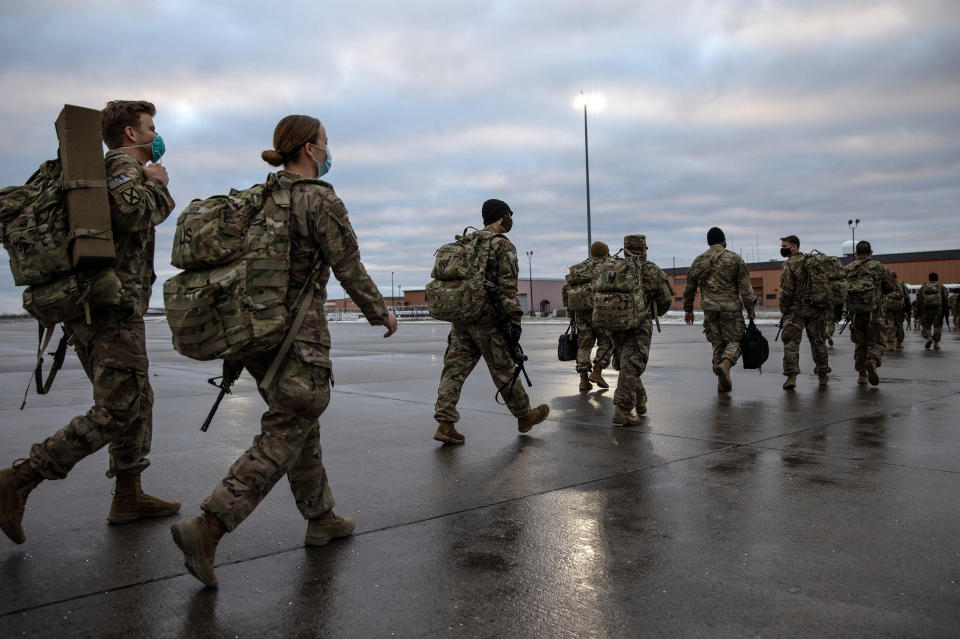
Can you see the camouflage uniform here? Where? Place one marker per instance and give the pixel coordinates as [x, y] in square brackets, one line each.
[587, 336]
[634, 345]
[866, 329]
[724, 281]
[931, 315]
[955, 306]
[894, 304]
[466, 344]
[799, 314]
[112, 348]
[289, 439]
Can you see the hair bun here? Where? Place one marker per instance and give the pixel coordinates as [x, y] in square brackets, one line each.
[272, 157]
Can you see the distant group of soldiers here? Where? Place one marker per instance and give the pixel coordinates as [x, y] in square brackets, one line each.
[295, 382]
[723, 282]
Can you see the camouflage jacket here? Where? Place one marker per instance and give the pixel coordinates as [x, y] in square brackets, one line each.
[320, 227]
[898, 299]
[656, 287]
[503, 270]
[793, 283]
[943, 296]
[882, 276]
[137, 206]
[723, 280]
[955, 302]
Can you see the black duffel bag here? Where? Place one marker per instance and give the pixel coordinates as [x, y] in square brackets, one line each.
[567, 347]
[754, 347]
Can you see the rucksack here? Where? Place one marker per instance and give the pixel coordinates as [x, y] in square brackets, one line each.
[826, 281]
[930, 294]
[229, 302]
[754, 347]
[618, 301]
[863, 294]
[578, 291]
[456, 293]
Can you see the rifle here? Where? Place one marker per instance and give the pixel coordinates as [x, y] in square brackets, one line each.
[503, 320]
[231, 371]
[656, 315]
[847, 316]
[779, 328]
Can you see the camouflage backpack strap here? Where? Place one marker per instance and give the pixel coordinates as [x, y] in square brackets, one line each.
[58, 356]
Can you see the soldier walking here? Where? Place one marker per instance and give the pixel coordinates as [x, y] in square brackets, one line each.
[800, 313]
[467, 343]
[587, 335]
[112, 346]
[896, 305]
[867, 282]
[724, 284]
[932, 305]
[634, 345]
[289, 439]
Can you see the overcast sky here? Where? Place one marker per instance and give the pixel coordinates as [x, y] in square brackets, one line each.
[764, 118]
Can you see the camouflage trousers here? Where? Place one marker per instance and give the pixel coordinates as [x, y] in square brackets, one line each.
[830, 325]
[634, 348]
[867, 333]
[724, 330]
[465, 346]
[794, 323]
[587, 336]
[931, 321]
[113, 353]
[893, 322]
[288, 443]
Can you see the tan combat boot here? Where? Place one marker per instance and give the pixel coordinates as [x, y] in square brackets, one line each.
[824, 379]
[936, 346]
[327, 527]
[596, 376]
[16, 483]
[724, 383]
[642, 405]
[585, 384]
[929, 342]
[899, 346]
[447, 434]
[870, 368]
[533, 417]
[130, 503]
[625, 417]
[791, 382]
[198, 539]
[862, 379]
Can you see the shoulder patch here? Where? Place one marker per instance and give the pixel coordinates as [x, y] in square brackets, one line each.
[512, 255]
[117, 181]
[130, 195]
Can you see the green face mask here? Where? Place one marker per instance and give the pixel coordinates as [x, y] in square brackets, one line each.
[158, 148]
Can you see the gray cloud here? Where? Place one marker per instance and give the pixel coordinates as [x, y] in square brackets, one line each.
[762, 118]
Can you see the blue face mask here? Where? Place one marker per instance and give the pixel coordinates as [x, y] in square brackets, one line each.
[322, 169]
[158, 148]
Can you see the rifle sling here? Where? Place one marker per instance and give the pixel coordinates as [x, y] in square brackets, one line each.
[43, 387]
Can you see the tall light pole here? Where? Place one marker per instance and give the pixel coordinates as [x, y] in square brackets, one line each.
[400, 290]
[392, 298]
[853, 224]
[530, 278]
[597, 101]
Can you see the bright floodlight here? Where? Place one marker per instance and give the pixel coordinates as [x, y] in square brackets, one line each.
[593, 100]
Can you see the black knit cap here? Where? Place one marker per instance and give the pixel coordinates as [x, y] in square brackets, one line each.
[715, 236]
[493, 210]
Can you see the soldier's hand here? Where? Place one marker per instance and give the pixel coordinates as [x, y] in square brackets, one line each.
[688, 318]
[751, 314]
[391, 324]
[156, 172]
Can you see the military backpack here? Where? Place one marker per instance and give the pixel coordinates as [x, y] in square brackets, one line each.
[619, 303]
[863, 293]
[230, 300]
[826, 281]
[456, 293]
[930, 295]
[578, 291]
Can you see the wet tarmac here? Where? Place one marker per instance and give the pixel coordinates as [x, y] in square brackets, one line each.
[830, 512]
